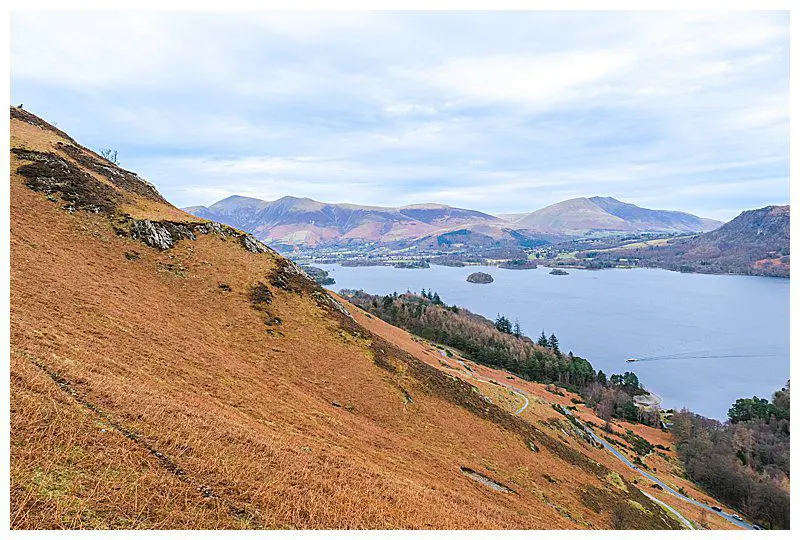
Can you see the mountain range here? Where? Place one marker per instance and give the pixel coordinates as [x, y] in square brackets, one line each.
[292, 221]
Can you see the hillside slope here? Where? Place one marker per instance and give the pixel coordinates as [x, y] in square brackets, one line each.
[755, 242]
[170, 372]
[645, 219]
[580, 216]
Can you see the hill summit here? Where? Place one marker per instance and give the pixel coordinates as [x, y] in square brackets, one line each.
[584, 215]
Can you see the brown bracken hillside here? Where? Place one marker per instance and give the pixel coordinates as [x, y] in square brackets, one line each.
[170, 372]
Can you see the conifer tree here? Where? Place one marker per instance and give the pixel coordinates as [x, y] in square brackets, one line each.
[542, 341]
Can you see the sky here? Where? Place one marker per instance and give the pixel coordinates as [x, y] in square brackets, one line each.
[503, 112]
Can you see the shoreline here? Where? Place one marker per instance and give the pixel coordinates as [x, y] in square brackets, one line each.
[541, 265]
[651, 399]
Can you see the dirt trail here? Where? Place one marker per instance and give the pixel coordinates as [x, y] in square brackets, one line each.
[516, 391]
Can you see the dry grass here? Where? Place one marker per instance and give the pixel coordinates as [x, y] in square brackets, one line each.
[144, 397]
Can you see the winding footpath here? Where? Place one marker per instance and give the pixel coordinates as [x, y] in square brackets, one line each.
[616, 453]
[516, 391]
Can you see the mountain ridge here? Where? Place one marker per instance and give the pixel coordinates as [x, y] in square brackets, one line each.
[584, 215]
[291, 221]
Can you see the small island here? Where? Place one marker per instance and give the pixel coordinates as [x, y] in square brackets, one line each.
[412, 264]
[518, 264]
[558, 272]
[480, 277]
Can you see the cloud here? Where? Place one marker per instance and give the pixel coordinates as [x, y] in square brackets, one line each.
[536, 82]
[502, 111]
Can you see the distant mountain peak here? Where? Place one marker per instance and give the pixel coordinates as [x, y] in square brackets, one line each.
[292, 220]
[582, 215]
[424, 206]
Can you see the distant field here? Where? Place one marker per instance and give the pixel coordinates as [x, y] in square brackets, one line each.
[634, 245]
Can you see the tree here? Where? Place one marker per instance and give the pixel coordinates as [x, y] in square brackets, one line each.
[435, 299]
[553, 342]
[503, 324]
[703, 521]
[743, 463]
[110, 155]
[601, 377]
[605, 408]
[517, 328]
[781, 399]
[630, 380]
[630, 411]
[542, 341]
[755, 408]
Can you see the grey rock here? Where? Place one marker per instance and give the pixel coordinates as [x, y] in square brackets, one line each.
[153, 234]
[254, 246]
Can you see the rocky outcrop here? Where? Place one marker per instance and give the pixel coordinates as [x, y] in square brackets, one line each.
[160, 234]
[165, 234]
[250, 243]
[52, 174]
[67, 177]
[323, 298]
[480, 277]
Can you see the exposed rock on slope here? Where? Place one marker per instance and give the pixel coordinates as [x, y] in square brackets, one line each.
[174, 373]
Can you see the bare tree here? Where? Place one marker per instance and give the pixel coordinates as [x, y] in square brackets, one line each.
[110, 155]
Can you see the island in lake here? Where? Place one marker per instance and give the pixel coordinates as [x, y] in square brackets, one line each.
[480, 277]
[558, 272]
[518, 264]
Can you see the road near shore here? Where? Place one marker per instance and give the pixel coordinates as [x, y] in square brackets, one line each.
[616, 453]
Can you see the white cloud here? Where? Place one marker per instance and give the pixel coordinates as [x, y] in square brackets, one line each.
[534, 81]
[504, 111]
[409, 109]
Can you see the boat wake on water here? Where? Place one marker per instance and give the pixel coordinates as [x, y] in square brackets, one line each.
[749, 352]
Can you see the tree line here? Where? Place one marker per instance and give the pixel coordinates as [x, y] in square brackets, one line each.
[499, 344]
[743, 462]
[502, 344]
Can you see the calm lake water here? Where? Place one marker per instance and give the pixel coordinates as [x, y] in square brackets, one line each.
[715, 338]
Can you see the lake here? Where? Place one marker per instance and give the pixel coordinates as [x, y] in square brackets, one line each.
[712, 338]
